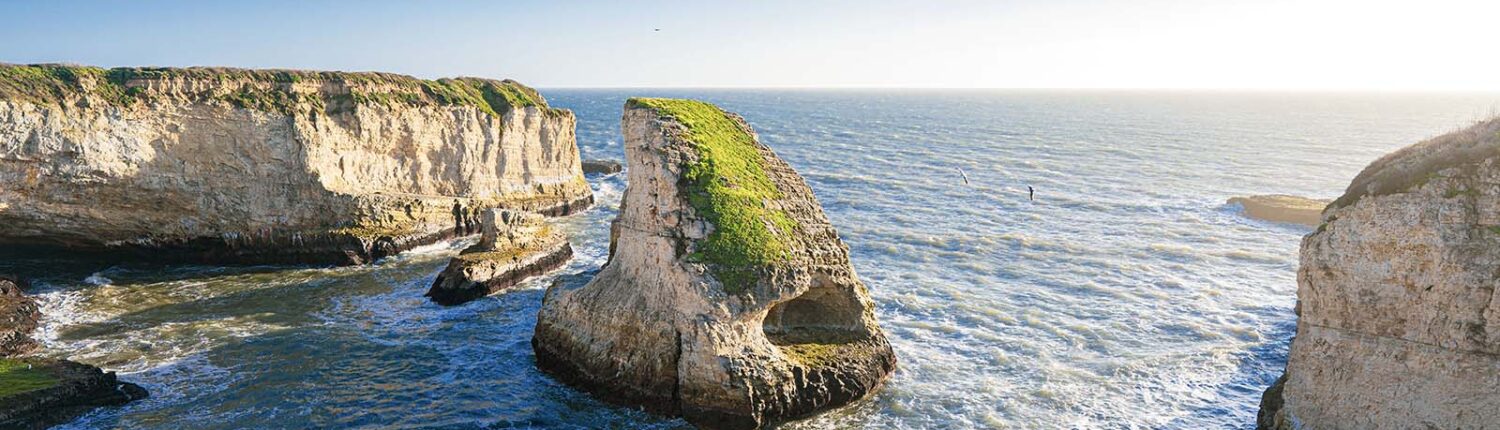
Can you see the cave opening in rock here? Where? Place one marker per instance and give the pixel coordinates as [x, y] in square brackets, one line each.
[822, 315]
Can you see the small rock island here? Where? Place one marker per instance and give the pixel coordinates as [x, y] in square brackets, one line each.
[1282, 208]
[728, 298]
[1398, 316]
[513, 246]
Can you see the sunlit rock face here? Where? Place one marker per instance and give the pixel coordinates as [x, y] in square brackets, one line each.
[728, 298]
[261, 165]
[1398, 317]
[513, 246]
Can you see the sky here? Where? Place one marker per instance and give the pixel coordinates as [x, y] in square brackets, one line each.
[1178, 44]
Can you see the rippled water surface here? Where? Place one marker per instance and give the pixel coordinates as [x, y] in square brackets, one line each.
[1127, 295]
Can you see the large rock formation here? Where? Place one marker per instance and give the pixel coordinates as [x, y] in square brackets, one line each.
[514, 246]
[728, 298]
[267, 165]
[37, 393]
[19, 315]
[1398, 316]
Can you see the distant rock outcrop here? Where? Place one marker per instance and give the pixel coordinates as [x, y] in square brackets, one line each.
[605, 167]
[18, 317]
[728, 298]
[513, 246]
[1398, 312]
[1282, 208]
[233, 165]
[37, 393]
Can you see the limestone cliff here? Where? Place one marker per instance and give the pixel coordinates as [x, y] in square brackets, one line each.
[1398, 318]
[268, 165]
[728, 298]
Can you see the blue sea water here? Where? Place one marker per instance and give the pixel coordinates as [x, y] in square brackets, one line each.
[1126, 295]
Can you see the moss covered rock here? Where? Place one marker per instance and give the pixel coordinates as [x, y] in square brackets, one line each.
[728, 298]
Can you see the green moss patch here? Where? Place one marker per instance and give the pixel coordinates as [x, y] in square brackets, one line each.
[267, 90]
[16, 377]
[729, 187]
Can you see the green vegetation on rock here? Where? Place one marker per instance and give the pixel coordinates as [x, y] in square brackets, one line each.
[267, 90]
[729, 187]
[16, 377]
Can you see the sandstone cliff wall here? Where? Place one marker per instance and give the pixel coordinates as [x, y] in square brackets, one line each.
[270, 165]
[1398, 317]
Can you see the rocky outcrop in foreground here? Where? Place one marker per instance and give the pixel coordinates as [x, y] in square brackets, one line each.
[19, 315]
[728, 298]
[514, 246]
[37, 393]
[231, 165]
[1398, 316]
[1282, 208]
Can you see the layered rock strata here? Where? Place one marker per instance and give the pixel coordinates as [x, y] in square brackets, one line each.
[728, 298]
[1282, 208]
[1398, 321]
[271, 165]
[514, 246]
[19, 315]
[40, 393]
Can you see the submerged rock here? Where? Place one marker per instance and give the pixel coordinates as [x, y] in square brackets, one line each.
[513, 246]
[607, 167]
[728, 298]
[1398, 321]
[18, 317]
[36, 393]
[270, 166]
[1283, 208]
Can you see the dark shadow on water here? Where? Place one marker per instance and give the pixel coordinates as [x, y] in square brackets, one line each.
[1257, 370]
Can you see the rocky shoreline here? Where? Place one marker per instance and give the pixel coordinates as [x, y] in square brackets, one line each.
[36, 393]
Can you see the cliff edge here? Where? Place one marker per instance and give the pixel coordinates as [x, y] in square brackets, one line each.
[1398, 318]
[238, 165]
[728, 298]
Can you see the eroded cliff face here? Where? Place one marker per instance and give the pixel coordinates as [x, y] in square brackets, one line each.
[248, 165]
[1398, 317]
[728, 298]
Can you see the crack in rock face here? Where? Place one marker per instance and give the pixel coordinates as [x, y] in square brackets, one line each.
[722, 340]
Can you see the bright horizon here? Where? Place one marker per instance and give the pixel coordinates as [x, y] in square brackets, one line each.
[1319, 45]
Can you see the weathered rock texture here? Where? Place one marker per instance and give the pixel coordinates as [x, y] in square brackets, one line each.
[18, 317]
[67, 390]
[1283, 208]
[1398, 318]
[728, 298]
[265, 165]
[514, 246]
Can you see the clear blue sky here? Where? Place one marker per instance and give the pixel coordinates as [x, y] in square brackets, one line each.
[1279, 44]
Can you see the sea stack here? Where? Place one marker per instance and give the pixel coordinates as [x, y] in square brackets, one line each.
[513, 246]
[1398, 322]
[728, 298]
[271, 166]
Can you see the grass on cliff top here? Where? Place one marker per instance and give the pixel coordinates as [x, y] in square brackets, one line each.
[16, 378]
[266, 90]
[1414, 166]
[729, 187]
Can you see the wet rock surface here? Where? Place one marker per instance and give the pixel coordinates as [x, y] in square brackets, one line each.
[19, 315]
[672, 326]
[603, 167]
[1398, 315]
[513, 246]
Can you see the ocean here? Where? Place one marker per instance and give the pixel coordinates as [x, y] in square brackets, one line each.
[1126, 295]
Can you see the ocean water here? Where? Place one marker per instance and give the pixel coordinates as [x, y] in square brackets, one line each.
[1126, 295]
